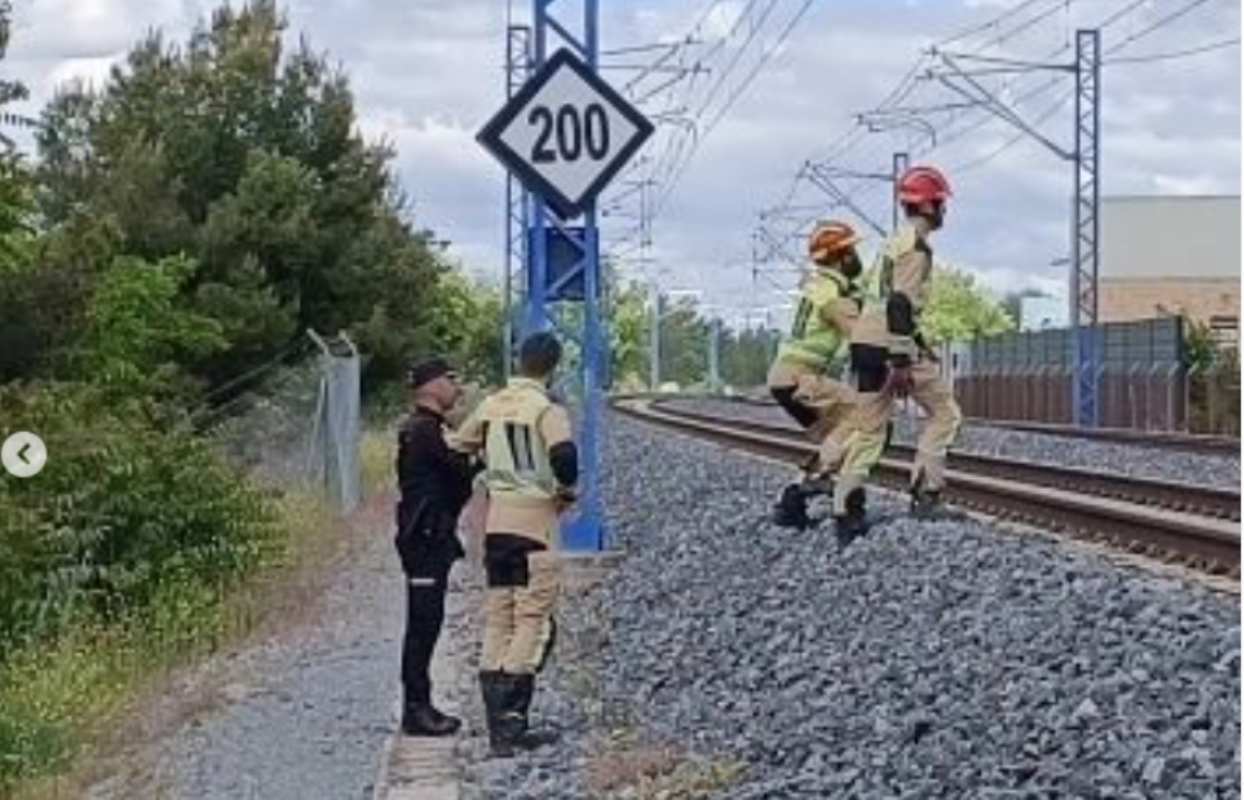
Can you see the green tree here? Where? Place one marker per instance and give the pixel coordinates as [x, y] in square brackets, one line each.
[684, 342]
[629, 323]
[137, 333]
[1013, 302]
[745, 355]
[958, 309]
[244, 159]
[10, 90]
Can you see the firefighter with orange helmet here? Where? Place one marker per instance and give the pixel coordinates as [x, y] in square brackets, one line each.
[829, 304]
[889, 359]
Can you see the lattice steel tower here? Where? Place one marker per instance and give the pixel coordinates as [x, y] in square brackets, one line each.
[1085, 239]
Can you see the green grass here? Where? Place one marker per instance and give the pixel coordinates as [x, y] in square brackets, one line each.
[60, 700]
[377, 453]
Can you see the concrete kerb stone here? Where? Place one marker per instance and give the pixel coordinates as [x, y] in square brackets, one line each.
[424, 768]
[582, 571]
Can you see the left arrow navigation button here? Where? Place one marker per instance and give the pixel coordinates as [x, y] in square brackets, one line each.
[23, 454]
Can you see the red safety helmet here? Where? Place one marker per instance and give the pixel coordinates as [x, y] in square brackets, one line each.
[923, 185]
[830, 239]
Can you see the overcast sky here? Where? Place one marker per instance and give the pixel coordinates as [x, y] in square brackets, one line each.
[427, 74]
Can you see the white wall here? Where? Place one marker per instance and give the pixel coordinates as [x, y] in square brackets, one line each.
[1170, 236]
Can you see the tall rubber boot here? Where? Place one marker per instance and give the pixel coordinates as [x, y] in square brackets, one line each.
[854, 523]
[493, 690]
[523, 691]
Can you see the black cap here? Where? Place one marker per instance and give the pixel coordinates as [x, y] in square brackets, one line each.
[427, 370]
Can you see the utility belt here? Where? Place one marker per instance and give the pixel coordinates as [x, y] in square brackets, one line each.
[426, 536]
[870, 363]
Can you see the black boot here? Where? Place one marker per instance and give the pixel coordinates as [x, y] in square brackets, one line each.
[494, 695]
[422, 719]
[926, 505]
[791, 510]
[524, 687]
[854, 523]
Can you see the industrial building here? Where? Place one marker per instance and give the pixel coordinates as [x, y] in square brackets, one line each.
[1168, 255]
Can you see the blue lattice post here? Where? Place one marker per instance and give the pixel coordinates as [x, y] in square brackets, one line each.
[1085, 239]
[586, 530]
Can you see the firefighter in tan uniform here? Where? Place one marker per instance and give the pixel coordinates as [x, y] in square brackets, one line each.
[531, 466]
[889, 360]
[829, 305]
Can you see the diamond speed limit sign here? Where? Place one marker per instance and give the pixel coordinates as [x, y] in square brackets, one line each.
[565, 133]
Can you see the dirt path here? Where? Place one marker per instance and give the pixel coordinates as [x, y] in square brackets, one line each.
[300, 712]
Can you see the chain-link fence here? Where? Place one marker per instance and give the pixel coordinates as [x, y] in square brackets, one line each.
[294, 422]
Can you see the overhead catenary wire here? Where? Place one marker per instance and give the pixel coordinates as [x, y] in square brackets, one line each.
[981, 28]
[953, 125]
[1044, 14]
[765, 56]
[1041, 14]
[1148, 29]
[975, 163]
[1192, 51]
[909, 84]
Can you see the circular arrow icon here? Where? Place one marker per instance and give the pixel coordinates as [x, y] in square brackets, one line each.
[23, 454]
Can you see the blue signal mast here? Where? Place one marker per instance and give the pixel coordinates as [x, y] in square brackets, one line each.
[586, 530]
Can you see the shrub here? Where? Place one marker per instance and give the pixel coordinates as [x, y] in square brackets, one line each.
[124, 510]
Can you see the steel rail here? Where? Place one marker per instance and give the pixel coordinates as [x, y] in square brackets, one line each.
[1208, 543]
[1193, 498]
[1204, 444]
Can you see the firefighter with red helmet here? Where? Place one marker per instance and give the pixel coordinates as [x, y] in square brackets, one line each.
[829, 304]
[889, 360]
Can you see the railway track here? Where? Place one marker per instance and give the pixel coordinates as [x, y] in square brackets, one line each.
[1203, 444]
[1196, 525]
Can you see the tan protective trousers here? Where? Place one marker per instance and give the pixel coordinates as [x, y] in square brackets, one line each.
[518, 621]
[867, 428]
[833, 401]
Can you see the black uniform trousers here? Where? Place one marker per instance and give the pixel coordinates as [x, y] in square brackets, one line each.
[435, 484]
[425, 614]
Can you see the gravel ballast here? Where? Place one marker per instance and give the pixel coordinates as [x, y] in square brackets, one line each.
[1124, 459]
[940, 659]
[298, 712]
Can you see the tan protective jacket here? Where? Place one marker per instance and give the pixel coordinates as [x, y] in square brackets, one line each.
[515, 428]
[905, 265]
[828, 308]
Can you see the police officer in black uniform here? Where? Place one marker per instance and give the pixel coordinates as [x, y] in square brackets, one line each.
[435, 484]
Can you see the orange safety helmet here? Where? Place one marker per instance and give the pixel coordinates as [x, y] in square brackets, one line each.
[829, 240]
[923, 185]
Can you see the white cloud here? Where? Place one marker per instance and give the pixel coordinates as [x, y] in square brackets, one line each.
[722, 19]
[428, 73]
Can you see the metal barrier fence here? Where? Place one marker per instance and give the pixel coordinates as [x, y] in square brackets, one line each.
[296, 422]
[1143, 382]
